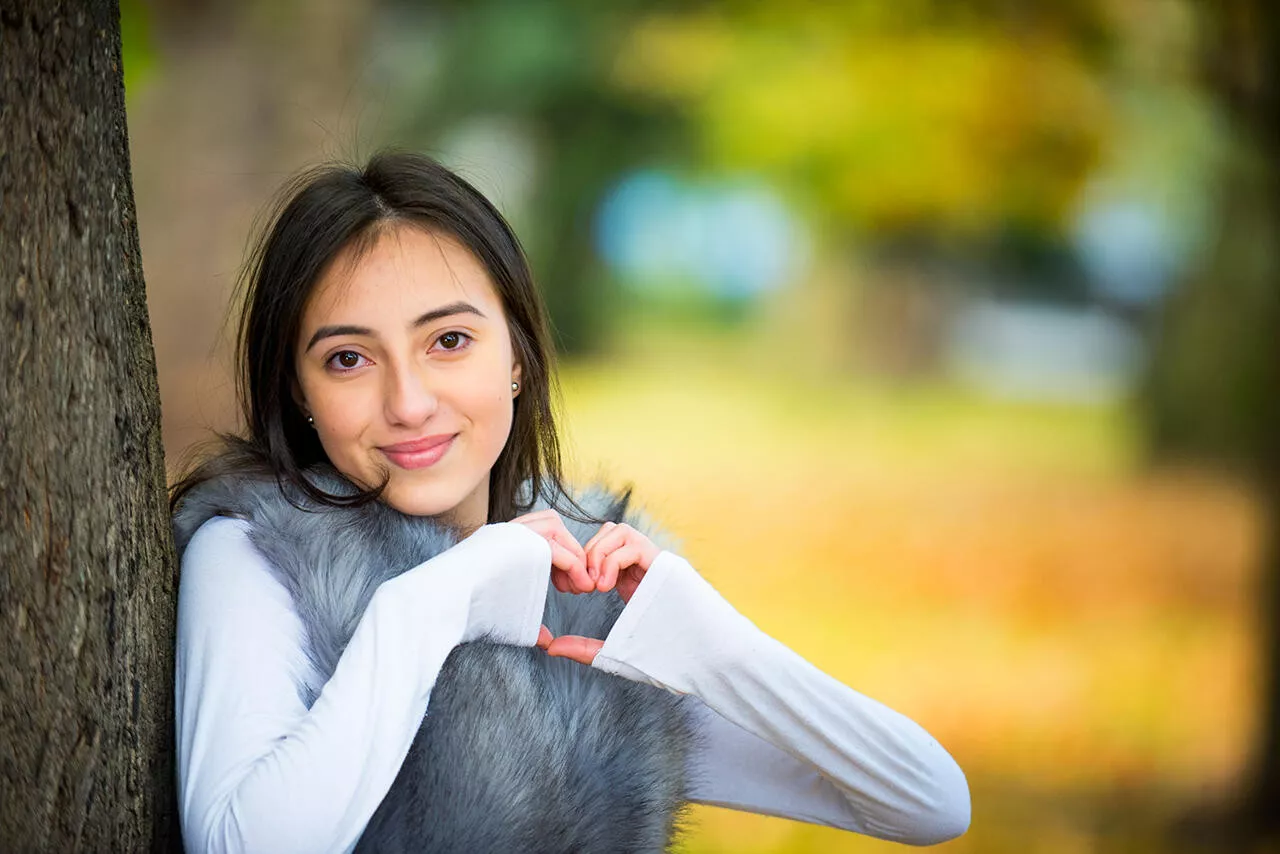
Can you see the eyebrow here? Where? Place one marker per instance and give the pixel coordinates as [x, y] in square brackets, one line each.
[423, 319]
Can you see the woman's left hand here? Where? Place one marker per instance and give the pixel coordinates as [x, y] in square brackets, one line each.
[617, 556]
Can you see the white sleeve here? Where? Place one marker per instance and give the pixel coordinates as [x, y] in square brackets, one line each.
[779, 736]
[257, 770]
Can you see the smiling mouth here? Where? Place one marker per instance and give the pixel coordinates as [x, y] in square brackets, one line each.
[419, 453]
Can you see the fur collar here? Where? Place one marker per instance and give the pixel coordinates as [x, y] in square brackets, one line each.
[518, 751]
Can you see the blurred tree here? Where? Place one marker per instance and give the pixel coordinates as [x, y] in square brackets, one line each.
[1215, 382]
[925, 140]
[921, 118]
[88, 589]
[548, 68]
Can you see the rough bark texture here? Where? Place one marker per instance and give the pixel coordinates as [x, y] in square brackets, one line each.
[88, 587]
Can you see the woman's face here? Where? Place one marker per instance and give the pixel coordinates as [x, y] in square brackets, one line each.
[405, 363]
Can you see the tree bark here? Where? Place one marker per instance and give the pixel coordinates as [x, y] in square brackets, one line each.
[1214, 389]
[88, 587]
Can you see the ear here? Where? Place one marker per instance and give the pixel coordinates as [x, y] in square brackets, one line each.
[516, 373]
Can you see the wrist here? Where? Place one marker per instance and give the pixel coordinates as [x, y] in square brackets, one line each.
[508, 567]
[676, 630]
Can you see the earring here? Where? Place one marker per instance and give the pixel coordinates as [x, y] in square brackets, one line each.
[312, 421]
[515, 386]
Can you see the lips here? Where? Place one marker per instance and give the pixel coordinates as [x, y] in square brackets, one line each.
[419, 453]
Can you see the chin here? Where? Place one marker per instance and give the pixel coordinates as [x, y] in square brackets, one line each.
[424, 499]
[418, 502]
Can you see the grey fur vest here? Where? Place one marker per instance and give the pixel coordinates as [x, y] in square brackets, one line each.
[518, 751]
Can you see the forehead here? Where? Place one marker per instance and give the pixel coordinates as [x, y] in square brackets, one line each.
[404, 272]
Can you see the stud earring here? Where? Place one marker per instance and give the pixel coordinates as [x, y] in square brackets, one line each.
[312, 421]
[515, 386]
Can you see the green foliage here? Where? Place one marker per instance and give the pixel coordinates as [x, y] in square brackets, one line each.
[885, 117]
[138, 52]
[544, 68]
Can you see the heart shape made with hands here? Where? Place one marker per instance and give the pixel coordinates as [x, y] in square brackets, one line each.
[616, 557]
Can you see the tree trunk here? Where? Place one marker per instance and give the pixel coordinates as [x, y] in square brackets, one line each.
[1244, 64]
[1214, 389]
[87, 591]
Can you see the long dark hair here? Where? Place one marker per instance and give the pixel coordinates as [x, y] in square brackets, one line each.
[337, 207]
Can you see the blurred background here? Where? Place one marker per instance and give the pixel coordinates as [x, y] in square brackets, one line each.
[942, 334]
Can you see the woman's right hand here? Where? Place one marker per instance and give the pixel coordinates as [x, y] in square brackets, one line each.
[568, 559]
[569, 572]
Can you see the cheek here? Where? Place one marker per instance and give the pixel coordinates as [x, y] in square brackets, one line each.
[492, 413]
[489, 401]
[341, 420]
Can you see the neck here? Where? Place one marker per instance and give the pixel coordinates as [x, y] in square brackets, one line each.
[470, 514]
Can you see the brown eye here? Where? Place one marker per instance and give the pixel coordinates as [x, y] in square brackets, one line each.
[345, 360]
[453, 340]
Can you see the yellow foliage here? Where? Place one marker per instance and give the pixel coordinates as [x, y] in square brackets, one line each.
[957, 129]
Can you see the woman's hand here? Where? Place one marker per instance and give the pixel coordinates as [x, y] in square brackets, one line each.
[617, 556]
[569, 572]
[568, 559]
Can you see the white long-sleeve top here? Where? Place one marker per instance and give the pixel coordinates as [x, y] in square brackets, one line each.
[259, 771]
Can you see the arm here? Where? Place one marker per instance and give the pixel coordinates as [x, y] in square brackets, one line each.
[258, 771]
[780, 736]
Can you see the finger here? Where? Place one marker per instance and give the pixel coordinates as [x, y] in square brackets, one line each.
[580, 649]
[593, 564]
[558, 532]
[560, 525]
[629, 582]
[546, 524]
[616, 562]
[618, 537]
[568, 563]
[565, 565]
[544, 637]
[550, 525]
[604, 529]
[559, 580]
[607, 542]
[533, 517]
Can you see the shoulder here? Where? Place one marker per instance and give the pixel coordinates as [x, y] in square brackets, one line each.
[238, 630]
[216, 539]
[222, 565]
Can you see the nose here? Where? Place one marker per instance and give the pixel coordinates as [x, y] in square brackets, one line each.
[409, 398]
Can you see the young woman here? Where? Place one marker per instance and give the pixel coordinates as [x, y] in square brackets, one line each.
[398, 631]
